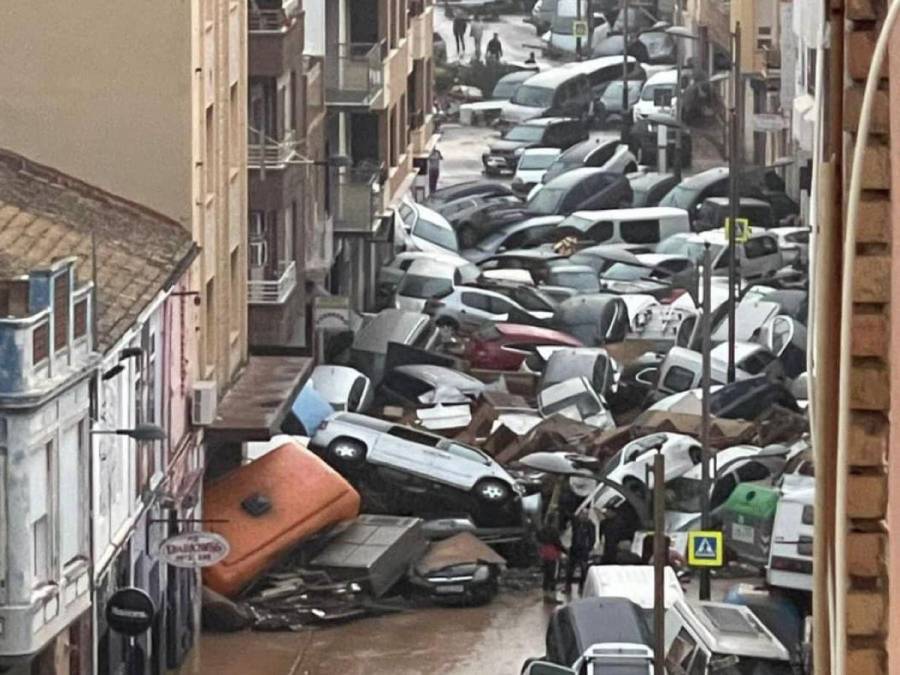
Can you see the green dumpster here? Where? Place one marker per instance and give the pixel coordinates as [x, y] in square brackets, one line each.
[747, 519]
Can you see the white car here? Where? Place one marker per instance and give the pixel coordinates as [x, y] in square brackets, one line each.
[428, 279]
[561, 35]
[533, 164]
[470, 307]
[575, 399]
[794, 244]
[343, 387]
[351, 441]
[758, 257]
[390, 274]
[423, 229]
[658, 96]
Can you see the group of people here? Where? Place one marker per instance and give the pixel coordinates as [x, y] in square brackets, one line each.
[460, 24]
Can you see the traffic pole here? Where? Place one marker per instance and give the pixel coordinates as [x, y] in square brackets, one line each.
[660, 559]
[679, 58]
[705, 413]
[734, 192]
[578, 37]
[625, 75]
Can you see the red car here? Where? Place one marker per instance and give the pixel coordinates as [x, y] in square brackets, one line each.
[504, 346]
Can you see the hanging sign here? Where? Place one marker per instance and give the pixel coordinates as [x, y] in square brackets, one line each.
[130, 611]
[194, 549]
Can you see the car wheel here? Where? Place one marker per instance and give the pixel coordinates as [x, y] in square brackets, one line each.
[492, 491]
[347, 450]
[448, 325]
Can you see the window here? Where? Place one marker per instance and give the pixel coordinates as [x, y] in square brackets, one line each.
[759, 247]
[415, 286]
[234, 126]
[600, 232]
[235, 310]
[210, 323]
[678, 379]
[40, 343]
[463, 452]
[71, 507]
[501, 306]
[811, 71]
[414, 436]
[601, 155]
[79, 319]
[805, 545]
[808, 516]
[209, 158]
[41, 489]
[477, 301]
[698, 666]
[290, 227]
[640, 232]
[61, 311]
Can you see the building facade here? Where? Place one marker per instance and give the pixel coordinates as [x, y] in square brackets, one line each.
[46, 348]
[162, 125]
[378, 65]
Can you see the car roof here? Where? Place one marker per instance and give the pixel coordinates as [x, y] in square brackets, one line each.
[553, 77]
[599, 620]
[704, 178]
[581, 150]
[433, 268]
[516, 330]
[575, 176]
[744, 201]
[718, 236]
[572, 267]
[435, 375]
[665, 77]
[639, 213]
[657, 258]
[591, 65]
[363, 421]
[536, 221]
[516, 76]
[645, 181]
[541, 151]
[741, 350]
[533, 253]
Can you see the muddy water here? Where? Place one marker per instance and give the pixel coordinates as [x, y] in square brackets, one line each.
[493, 640]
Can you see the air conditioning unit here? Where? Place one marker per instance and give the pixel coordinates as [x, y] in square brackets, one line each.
[203, 403]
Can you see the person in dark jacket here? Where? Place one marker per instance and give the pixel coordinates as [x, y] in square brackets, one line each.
[620, 525]
[459, 33]
[550, 550]
[494, 48]
[584, 536]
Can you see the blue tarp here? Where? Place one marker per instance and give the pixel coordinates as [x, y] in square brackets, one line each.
[311, 409]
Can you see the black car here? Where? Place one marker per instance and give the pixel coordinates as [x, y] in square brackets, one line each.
[588, 154]
[547, 132]
[524, 234]
[460, 210]
[581, 190]
[583, 627]
[596, 319]
[488, 220]
[644, 141]
[471, 188]
[648, 188]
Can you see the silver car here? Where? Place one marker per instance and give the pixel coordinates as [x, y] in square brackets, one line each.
[427, 279]
[350, 440]
[575, 399]
[468, 308]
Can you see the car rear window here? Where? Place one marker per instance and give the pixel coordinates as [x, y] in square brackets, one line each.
[414, 286]
[640, 231]
[678, 379]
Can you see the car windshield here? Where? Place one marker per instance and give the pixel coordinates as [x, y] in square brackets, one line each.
[533, 97]
[505, 89]
[436, 233]
[547, 201]
[586, 405]
[612, 95]
[684, 494]
[656, 43]
[414, 286]
[533, 161]
[689, 249]
[680, 197]
[582, 281]
[527, 133]
[626, 272]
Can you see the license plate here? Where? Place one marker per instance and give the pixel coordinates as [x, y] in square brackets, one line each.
[453, 588]
[743, 533]
[496, 161]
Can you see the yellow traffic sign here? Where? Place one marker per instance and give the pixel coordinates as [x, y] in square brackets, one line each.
[744, 230]
[705, 549]
[580, 29]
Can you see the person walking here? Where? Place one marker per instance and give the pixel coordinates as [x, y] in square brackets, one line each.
[549, 550]
[584, 536]
[477, 31]
[459, 33]
[434, 169]
[494, 48]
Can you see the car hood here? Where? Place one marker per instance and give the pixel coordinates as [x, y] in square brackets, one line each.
[503, 145]
[495, 104]
[529, 175]
[513, 112]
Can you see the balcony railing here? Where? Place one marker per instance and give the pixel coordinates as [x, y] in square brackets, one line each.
[357, 198]
[354, 73]
[273, 291]
[266, 150]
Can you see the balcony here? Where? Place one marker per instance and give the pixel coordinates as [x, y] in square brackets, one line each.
[767, 62]
[358, 198]
[269, 153]
[274, 20]
[354, 74]
[273, 291]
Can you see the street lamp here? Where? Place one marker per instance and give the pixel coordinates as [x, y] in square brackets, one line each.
[679, 33]
[141, 432]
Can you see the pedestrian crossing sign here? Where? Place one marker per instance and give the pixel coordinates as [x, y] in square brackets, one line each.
[705, 549]
[744, 230]
[580, 29]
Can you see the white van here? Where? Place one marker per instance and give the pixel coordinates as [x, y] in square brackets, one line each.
[634, 582]
[647, 226]
[791, 552]
[657, 96]
[561, 34]
[758, 257]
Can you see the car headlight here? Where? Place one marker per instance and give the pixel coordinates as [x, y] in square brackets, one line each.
[642, 319]
[483, 573]
[518, 152]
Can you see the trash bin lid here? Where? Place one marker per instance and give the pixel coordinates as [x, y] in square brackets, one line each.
[750, 499]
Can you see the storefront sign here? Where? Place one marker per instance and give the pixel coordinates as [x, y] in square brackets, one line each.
[130, 611]
[331, 312]
[194, 549]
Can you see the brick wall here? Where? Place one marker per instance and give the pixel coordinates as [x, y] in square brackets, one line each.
[870, 395]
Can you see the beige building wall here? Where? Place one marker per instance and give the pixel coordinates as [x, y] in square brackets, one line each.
[146, 100]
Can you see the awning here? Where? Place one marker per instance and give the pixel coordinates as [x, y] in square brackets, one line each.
[257, 403]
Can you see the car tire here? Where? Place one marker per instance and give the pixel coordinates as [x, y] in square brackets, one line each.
[347, 451]
[492, 491]
[447, 322]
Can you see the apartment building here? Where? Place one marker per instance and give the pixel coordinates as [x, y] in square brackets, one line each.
[290, 235]
[378, 71]
[156, 115]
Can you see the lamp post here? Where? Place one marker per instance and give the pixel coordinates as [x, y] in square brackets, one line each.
[679, 33]
[734, 192]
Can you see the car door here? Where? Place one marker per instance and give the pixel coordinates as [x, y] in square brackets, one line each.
[405, 449]
[760, 257]
[459, 465]
[476, 309]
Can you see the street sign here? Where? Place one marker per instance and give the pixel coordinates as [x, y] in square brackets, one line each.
[744, 230]
[580, 29]
[194, 549]
[705, 549]
[130, 611]
[331, 312]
